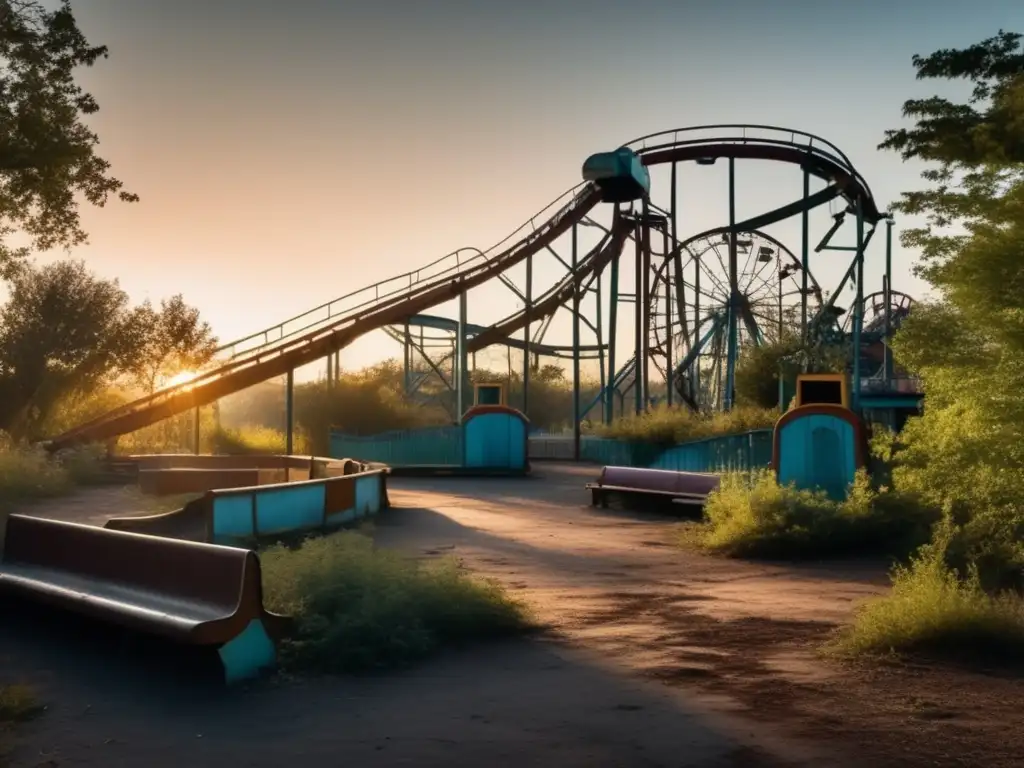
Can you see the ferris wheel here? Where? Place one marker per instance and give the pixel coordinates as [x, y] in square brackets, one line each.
[873, 312]
[693, 293]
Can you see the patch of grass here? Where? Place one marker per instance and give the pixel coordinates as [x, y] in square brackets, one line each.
[671, 426]
[29, 473]
[18, 703]
[251, 440]
[932, 610]
[156, 505]
[359, 608]
[751, 515]
[84, 465]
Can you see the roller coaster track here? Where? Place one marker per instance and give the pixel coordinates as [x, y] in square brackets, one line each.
[369, 309]
[332, 326]
[587, 269]
[479, 337]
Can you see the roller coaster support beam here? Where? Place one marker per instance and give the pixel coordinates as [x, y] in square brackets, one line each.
[289, 413]
[462, 367]
[330, 372]
[599, 332]
[670, 386]
[613, 317]
[576, 288]
[734, 295]
[673, 222]
[805, 253]
[858, 310]
[406, 360]
[645, 304]
[527, 310]
[195, 433]
[886, 351]
[639, 328]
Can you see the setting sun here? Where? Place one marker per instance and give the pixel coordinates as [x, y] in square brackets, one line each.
[181, 378]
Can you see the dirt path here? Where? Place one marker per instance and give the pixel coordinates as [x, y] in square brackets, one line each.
[740, 638]
[658, 658]
[94, 506]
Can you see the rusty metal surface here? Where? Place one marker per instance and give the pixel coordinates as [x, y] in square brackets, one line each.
[193, 593]
[221, 461]
[339, 495]
[169, 482]
[190, 523]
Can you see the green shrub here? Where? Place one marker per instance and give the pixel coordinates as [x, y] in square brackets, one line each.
[931, 609]
[251, 440]
[29, 473]
[671, 426]
[83, 464]
[175, 436]
[751, 515]
[17, 703]
[359, 608]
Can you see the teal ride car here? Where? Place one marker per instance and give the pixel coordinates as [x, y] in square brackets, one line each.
[621, 175]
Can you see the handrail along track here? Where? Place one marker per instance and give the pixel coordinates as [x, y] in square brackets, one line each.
[324, 329]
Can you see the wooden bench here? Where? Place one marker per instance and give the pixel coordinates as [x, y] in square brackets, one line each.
[187, 592]
[687, 488]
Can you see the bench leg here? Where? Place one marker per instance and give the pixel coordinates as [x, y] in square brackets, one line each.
[249, 654]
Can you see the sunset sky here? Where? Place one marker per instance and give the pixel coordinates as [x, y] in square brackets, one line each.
[288, 153]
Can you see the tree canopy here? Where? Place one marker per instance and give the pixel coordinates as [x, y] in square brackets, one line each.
[48, 159]
[967, 451]
[65, 332]
[975, 148]
[171, 339]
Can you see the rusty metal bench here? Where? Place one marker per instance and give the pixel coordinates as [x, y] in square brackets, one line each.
[190, 593]
[687, 488]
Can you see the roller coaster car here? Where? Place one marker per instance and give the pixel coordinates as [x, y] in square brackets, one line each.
[620, 175]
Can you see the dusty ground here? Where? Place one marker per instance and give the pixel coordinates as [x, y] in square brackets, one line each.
[657, 657]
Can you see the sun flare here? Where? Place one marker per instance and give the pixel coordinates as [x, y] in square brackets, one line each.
[181, 378]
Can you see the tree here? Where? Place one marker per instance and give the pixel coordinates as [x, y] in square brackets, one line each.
[170, 340]
[65, 333]
[47, 153]
[978, 147]
[62, 331]
[759, 367]
[966, 452]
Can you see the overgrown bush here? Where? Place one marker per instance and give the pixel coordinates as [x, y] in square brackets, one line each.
[751, 515]
[17, 703]
[362, 403]
[671, 426]
[932, 608]
[252, 440]
[29, 473]
[359, 608]
[83, 464]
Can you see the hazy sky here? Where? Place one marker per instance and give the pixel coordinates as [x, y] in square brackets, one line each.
[288, 153]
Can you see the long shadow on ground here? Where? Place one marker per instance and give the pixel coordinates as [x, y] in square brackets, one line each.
[114, 701]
